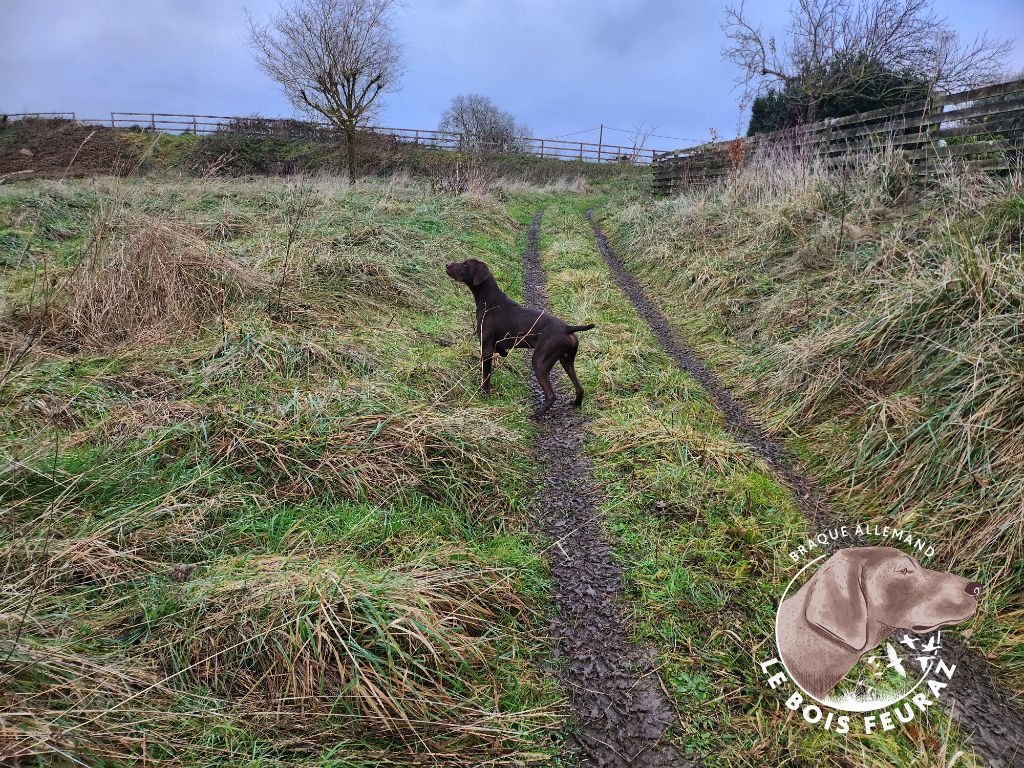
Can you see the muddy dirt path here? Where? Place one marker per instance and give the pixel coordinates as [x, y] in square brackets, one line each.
[993, 725]
[615, 692]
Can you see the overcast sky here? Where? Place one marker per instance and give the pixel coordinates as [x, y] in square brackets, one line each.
[561, 66]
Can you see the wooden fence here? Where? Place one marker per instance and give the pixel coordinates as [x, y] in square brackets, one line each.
[303, 129]
[982, 128]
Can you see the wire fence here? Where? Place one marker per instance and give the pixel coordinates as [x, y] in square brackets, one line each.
[165, 122]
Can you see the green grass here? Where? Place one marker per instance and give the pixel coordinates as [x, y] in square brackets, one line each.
[294, 529]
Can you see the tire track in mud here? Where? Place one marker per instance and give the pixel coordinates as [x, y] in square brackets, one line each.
[613, 685]
[993, 725]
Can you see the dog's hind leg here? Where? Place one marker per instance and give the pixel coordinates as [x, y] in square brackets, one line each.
[568, 361]
[542, 365]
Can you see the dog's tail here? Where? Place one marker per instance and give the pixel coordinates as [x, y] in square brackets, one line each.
[578, 328]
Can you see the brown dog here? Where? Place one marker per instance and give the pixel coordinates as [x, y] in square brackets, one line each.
[502, 325]
[856, 600]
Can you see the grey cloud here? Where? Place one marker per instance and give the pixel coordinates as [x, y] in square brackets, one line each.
[559, 66]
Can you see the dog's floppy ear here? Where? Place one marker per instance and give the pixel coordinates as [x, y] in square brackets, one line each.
[480, 271]
[837, 604]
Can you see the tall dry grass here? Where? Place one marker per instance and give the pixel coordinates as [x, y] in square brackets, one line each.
[388, 649]
[878, 324]
[148, 275]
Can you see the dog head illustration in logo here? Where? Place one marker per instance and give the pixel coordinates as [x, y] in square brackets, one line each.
[856, 600]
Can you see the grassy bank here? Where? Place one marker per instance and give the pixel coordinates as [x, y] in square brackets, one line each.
[254, 512]
[42, 148]
[701, 528]
[876, 326]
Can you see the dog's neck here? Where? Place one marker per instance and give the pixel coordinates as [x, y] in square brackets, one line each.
[488, 294]
[844, 658]
[815, 659]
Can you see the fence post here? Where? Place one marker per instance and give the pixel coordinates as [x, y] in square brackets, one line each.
[152, 121]
[417, 135]
[931, 143]
[195, 126]
[112, 120]
[542, 147]
[581, 151]
[600, 143]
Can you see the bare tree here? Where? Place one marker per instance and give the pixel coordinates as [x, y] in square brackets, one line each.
[638, 138]
[332, 58]
[838, 47]
[482, 126]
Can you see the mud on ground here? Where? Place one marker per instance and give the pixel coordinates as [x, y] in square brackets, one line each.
[615, 692]
[32, 148]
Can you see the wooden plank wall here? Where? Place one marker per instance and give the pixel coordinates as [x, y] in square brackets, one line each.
[982, 128]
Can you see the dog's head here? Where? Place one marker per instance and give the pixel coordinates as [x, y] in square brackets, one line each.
[471, 271]
[861, 584]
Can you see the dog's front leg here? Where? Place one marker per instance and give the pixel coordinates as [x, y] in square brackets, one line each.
[487, 360]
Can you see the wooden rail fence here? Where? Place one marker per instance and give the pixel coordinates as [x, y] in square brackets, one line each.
[983, 128]
[303, 129]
